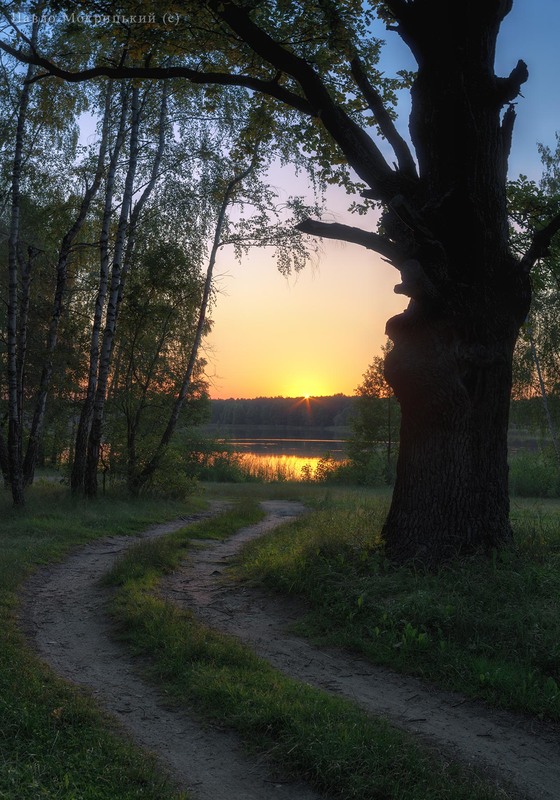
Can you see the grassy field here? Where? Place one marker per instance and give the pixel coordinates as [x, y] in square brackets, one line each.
[486, 627]
[489, 628]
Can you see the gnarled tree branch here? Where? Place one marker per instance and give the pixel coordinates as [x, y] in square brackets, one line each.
[362, 153]
[348, 233]
[271, 88]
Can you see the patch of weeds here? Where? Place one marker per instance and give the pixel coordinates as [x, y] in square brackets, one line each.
[487, 627]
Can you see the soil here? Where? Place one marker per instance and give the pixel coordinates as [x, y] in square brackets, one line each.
[63, 613]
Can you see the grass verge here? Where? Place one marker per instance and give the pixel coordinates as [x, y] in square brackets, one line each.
[488, 628]
[54, 743]
[310, 734]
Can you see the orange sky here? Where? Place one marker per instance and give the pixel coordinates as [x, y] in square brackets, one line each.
[313, 333]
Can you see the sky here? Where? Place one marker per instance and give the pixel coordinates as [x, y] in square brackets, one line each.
[315, 333]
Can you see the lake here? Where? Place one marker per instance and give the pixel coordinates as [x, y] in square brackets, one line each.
[282, 453]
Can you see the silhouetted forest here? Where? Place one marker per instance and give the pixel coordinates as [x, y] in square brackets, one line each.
[321, 412]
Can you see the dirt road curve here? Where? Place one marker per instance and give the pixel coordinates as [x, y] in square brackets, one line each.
[63, 613]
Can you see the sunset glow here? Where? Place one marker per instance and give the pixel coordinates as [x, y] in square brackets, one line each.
[316, 333]
[310, 335]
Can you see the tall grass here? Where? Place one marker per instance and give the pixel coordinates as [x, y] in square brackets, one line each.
[260, 468]
[486, 627]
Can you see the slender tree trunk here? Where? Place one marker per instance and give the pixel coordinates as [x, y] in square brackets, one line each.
[36, 431]
[95, 432]
[4, 461]
[84, 423]
[25, 267]
[122, 259]
[15, 336]
[389, 441]
[544, 397]
[151, 466]
[134, 416]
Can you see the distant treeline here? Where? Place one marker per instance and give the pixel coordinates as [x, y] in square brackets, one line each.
[321, 412]
[337, 410]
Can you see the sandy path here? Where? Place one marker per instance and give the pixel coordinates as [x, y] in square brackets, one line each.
[63, 614]
[513, 749]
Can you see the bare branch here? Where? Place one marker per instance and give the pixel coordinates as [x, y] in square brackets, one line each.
[348, 233]
[540, 244]
[383, 118]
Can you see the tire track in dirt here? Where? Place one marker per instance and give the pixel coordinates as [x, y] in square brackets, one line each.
[515, 751]
[63, 614]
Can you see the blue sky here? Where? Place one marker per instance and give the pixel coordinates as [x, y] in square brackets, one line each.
[532, 32]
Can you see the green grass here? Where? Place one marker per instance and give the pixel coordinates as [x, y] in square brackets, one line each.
[55, 744]
[489, 628]
[309, 734]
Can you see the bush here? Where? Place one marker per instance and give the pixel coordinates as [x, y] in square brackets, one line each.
[535, 473]
[171, 481]
[371, 471]
[223, 467]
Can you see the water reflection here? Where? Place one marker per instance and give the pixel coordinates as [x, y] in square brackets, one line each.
[304, 448]
[286, 458]
[284, 467]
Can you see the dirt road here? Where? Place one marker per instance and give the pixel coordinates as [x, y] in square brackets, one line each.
[64, 616]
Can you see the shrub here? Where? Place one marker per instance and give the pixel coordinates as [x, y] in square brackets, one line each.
[535, 473]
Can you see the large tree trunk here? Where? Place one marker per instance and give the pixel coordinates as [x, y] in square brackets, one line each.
[451, 491]
[451, 363]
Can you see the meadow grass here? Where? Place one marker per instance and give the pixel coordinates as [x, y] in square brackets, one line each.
[54, 743]
[487, 627]
[309, 734]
